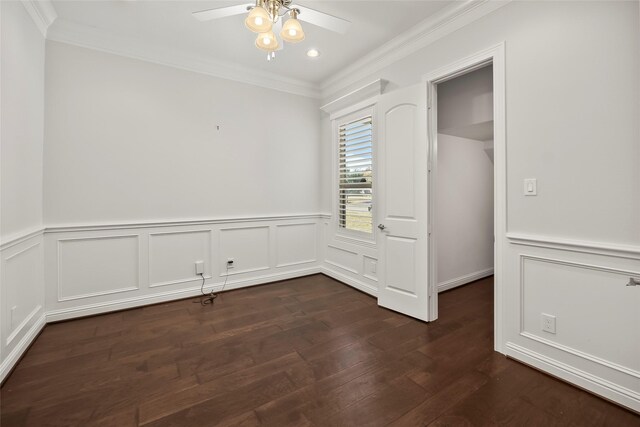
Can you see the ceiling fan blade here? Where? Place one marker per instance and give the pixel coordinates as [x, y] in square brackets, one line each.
[222, 12]
[322, 19]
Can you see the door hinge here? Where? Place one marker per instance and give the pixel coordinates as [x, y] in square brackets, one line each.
[429, 166]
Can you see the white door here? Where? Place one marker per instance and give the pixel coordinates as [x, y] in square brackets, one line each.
[402, 177]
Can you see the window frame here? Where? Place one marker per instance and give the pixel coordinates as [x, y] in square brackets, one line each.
[348, 115]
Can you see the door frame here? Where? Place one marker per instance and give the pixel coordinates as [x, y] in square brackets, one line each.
[494, 55]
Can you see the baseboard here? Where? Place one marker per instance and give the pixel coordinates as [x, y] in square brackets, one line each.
[192, 291]
[577, 377]
[354, 283]
[10, 361]
[463, 280]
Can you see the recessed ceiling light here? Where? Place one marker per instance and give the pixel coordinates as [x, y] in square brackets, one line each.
[313, 53]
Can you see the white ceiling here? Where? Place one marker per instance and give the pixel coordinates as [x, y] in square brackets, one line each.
[169, 24]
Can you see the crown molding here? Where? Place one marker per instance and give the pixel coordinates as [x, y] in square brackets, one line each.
[365, 92]
[42, 12]
[428, 31]
[97, 39]
[425, 33]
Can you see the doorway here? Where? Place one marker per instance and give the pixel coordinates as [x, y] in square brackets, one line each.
[463, 222]
[467, 165]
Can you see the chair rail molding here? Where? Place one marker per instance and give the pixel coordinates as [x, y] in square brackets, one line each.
[579, 246]
[61, 228]
[17, 238]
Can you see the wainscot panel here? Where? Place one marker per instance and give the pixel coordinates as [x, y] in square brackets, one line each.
[21, 296]
[583, 287]
[101, 268]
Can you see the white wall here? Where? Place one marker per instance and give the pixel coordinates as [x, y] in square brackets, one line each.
[464, 211]
[131, 141]
[22, 122]
[138, 175]
[560, 58]
[21, 140]
[572, 108]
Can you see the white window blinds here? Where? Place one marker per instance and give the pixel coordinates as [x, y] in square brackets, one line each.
[355, 193]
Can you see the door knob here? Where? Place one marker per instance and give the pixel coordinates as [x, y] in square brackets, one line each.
[381, 226]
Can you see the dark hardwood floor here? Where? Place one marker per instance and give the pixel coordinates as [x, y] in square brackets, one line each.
[309, 351]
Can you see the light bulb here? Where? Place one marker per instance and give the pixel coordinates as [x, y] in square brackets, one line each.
[292, 30]
[258, 20]
[267, 41]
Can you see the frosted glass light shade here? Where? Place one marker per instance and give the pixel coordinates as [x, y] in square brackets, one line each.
[292, 31]
[258, 20]
[267, 41]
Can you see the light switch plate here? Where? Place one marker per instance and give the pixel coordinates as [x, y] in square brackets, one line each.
[530, 187]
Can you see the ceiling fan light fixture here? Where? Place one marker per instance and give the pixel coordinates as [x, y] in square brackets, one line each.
[258, 20]
[266, 15]
[267, 41]
[292, 30]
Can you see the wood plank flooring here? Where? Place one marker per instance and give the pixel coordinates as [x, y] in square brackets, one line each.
[303, 352]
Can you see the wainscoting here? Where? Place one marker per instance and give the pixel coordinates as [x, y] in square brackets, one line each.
[597, 341]
[91, 270]
[67, 272]
[349, 261]
[95, 269]
[22, 308]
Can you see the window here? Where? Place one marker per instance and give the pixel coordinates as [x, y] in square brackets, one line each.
[355, 190]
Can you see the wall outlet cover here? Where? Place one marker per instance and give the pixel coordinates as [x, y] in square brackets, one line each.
[548, 323]
[199, 267]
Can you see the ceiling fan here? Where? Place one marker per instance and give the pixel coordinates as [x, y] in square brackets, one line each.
[265, 18]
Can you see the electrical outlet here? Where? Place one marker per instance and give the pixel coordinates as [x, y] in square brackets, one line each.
[199, 267]
[230, 262]
[548, 323]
